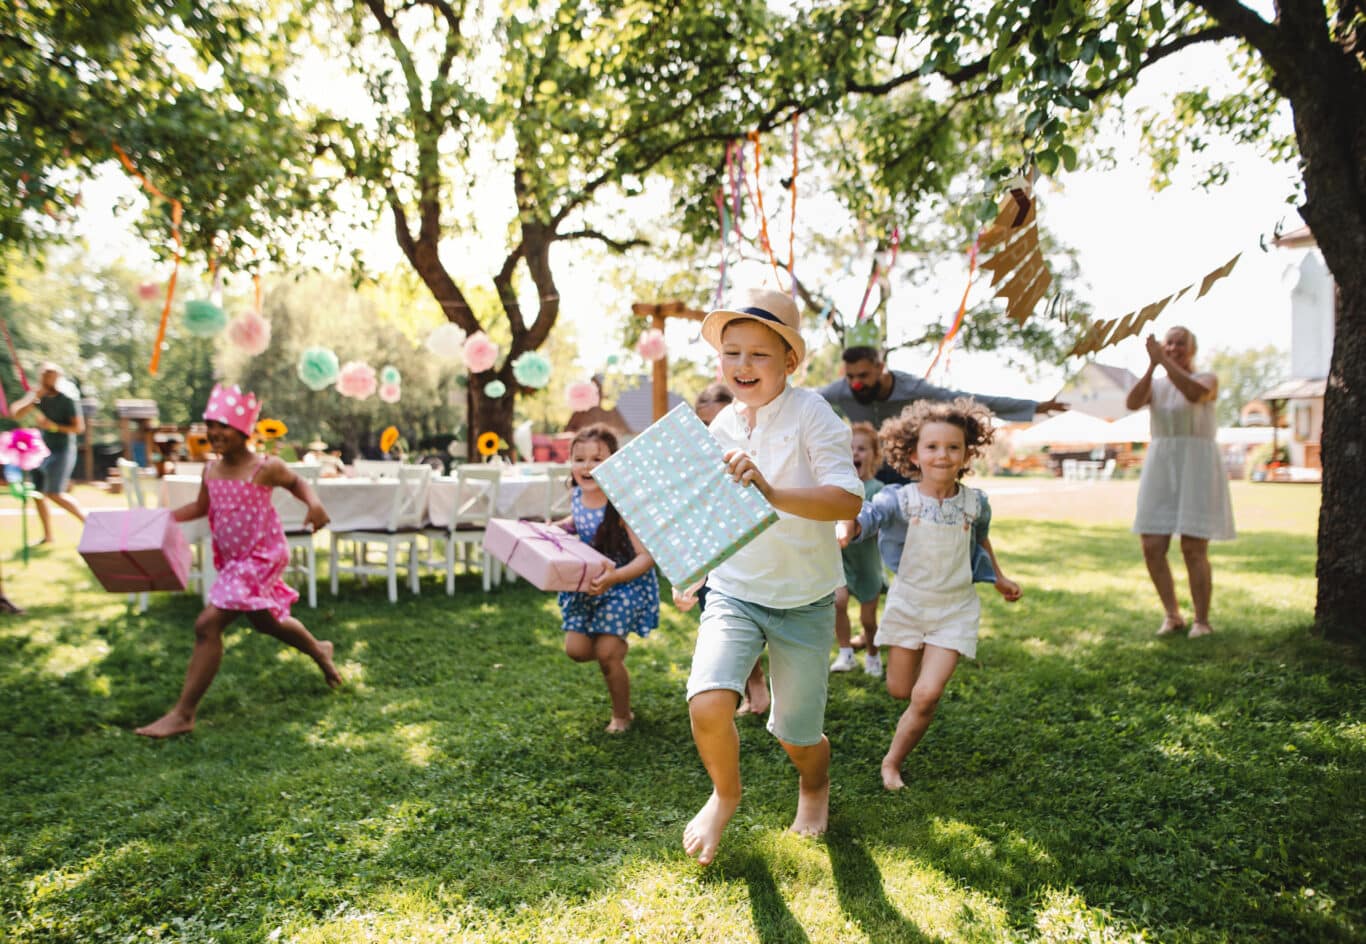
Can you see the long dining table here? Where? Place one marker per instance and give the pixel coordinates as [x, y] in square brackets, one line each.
[357, 504]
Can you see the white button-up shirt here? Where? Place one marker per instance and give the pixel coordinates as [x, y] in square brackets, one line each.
[797, 442]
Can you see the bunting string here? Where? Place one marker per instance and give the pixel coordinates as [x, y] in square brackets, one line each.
[177, 213]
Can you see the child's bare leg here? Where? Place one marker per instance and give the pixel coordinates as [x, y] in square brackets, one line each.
[813, 786]
[44, 517]
[712, 715]
[920, 676]
[611, 655]
[842, 628]
[68, 502]
[204, 663]
[291, 632]
[756, 690]
[867, 614]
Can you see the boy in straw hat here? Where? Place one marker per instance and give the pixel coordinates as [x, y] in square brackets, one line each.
[780, 588]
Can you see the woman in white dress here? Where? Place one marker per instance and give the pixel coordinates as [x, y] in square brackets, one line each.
[1184, 488]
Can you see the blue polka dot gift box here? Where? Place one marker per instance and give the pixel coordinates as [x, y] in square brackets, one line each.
[672, 487]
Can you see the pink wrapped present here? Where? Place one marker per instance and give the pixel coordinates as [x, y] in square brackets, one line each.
[548, 557]
[135, 550]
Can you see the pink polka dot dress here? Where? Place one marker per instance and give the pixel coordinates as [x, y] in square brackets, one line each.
[249, 547]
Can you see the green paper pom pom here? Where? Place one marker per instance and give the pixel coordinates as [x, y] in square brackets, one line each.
[389, 375]
[318, 368]
[611, 360]
[495, 389]
[203, 318]
[531, 370]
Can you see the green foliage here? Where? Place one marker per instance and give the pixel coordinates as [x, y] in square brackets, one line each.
[1244, 376]
[1083, 780]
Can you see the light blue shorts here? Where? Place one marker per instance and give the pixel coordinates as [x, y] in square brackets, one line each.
[730, 640]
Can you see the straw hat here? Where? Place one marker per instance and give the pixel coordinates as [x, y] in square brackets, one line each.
[317, 445]
[773, 309]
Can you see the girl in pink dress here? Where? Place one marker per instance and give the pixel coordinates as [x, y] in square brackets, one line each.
[249, 552]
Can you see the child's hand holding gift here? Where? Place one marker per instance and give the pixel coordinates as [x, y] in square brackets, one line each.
[606, 579]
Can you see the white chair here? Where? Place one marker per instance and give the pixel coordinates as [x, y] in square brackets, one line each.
[407, 514]
[559, 499]
[129, 476]
[476, 498]
[189, 468]
[303, 554]
[375, 469]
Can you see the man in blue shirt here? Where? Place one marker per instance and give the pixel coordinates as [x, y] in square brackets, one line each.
[59, 406]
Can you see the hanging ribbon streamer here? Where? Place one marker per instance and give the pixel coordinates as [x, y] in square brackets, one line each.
[14, 356]
[758, 195]
[719, 199]
[792, 221]
[877, 269]
[739, 184]
[256, 283]
[177, 213]
[946, 343]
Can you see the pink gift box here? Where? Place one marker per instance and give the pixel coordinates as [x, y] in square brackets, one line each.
[135, 550]
[548, 557]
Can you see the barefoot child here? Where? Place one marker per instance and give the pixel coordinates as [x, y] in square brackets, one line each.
[624, 598]
[926, 530]
[249, 552]
[862, 566]
[780, 588]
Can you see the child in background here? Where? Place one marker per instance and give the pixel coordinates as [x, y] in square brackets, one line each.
[249, 552]
[710, 402]
[778, 590]
[862, 566]
[624, 598]
[927, 530]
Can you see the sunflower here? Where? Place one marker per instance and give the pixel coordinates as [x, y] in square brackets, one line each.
[271, 429]
[388, 438]
[488, 444]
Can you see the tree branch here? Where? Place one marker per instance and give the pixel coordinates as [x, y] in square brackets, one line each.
[616, 244]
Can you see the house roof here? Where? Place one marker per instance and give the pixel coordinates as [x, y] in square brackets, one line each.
[1296, 390]
[1121, 377]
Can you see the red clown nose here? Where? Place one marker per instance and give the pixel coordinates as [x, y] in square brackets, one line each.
[855, 386]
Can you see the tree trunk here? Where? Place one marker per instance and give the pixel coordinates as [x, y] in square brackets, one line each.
[487, 414]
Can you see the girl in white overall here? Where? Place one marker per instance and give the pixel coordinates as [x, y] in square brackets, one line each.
[933, 532]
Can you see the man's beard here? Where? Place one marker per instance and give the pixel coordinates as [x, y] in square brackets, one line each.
[864, 395]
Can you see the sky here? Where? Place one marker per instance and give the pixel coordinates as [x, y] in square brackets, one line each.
[1133, 246]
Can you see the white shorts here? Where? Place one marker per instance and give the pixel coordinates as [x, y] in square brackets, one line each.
[956, 631]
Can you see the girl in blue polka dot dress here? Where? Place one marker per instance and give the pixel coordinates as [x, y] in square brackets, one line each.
[621, 600]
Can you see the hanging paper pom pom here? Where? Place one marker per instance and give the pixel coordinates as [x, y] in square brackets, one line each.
[356, 379]
[389, 393]
[531, 370]
[148, 291]
[612, 360]
[495, 389]
[388, 374]
[480, 352]
[250, 332]
[651, 345]
[203, 318]
[318, 368]
[23, 447]
[582, 395]
[447, 341]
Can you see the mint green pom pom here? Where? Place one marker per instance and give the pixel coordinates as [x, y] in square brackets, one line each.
[531, 370]
[495, 389]
[203, 318]
[318, 368]
[389, 375]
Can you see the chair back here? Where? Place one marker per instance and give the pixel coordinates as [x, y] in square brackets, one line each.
[292, 512]
[476, 496]
[189, 468]
[130, 476]
[409, 509]
[559, 498]
[375, 469]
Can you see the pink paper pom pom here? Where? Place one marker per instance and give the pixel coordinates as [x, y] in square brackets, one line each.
[651, 345]
[356, 379]
[480, 352]
[250, 332]
[389, 393]
[148, 291]
[582, 395]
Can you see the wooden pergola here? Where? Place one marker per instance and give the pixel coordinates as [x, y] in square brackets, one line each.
[659, 313]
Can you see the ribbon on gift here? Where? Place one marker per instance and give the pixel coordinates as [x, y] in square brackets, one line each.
[540, 534]
[141, 574]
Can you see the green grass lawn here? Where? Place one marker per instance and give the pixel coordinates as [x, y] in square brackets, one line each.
[1084, 781]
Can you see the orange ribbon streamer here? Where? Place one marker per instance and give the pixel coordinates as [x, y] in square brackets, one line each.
[177, 214]
[946, 344]
[758, 196]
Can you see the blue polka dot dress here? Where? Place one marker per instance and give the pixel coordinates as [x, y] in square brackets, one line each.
[631, 607]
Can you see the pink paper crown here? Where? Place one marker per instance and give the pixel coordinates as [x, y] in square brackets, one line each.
[231, 406]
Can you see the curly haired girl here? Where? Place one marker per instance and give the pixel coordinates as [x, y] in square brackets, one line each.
[928, 531]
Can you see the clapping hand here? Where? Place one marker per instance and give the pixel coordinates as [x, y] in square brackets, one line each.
[1154, 347]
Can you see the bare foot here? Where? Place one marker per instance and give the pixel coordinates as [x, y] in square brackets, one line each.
[1199, 629]
[702, 836]
[813, 809]
[619, 725]
[168, 725]
[891, 777]
[1171, 625]
[324, 660]
[756, 697]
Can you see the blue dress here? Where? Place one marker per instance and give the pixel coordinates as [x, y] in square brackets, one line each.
[631, 607]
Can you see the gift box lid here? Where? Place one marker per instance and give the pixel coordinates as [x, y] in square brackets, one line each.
[672, 486]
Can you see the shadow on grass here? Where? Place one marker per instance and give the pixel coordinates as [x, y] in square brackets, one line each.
[858, 883]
